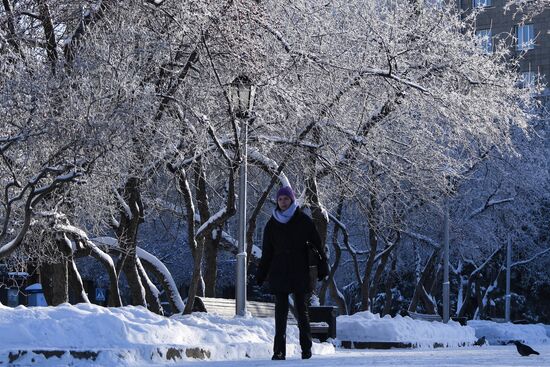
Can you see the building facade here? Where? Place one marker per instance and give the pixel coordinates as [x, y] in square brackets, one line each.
[529, 40]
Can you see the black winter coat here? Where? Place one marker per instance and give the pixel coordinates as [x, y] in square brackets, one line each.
[285, 258]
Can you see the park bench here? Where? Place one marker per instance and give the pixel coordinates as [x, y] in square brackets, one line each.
[322, 318]
[424, 316]
[435, 317]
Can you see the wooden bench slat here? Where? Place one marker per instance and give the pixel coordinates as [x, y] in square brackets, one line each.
[424, 316]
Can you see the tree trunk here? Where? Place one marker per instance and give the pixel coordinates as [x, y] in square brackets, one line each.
[75, 282]
[151, 292]
[195, 246]
[131, 217]
[379, 271]
[320, 221]
[472, 278]
[209, 243]
[312, 198]
[107, 262]
[330, 284]
[388, 286]
[486, 299]
[127, 264]
[419, 290]
[373, 243]
[479, 297]
[46, 282]
[55, 283]
[159, 271]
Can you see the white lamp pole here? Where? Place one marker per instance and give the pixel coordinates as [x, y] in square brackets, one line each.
[508, 266]
[446, 285]
[241, 95]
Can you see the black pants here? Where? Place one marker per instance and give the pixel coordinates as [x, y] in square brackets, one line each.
[281, 315]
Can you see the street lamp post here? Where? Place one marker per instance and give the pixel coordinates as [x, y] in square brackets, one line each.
[241, 97]
[446, 285]
[507, 297]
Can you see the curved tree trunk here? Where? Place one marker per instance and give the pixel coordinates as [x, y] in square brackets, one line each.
[330, 284]
[56, 274]
[160, 272]
[208, 242]
[108, 263]
[152, 293]
[75, 281]
[155, 267]
[46, 273]
[381, 267]
[419, 290]
[388, 284]
[131, 217]
[196, 246]
[481, 312]
[320, 221]
[373, 244]
[473, 278]
[55, 282]
[317, 211]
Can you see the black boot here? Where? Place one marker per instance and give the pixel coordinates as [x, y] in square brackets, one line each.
[306, 354]
[278, 357]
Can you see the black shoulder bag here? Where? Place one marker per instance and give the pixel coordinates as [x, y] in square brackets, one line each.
[316, 259]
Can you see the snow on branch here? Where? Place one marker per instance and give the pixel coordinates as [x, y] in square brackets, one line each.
[161, 269]
[285, 43]
[210, 221]
[529, 8]
[99, 253]
[152, 263]
[123, 204]
[156, 2]
[534, 257]
[65, 228]
[217, 142]
[279, 140]
[233, 243]
[269, 164]
[65, 173]
[487, 261]
[430, 241]
[489, 203]
[86, 23]
[390, 75]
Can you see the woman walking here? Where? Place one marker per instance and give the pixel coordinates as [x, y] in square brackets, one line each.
[285, 264]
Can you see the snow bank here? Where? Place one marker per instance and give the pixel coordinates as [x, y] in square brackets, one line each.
[502, 333]
[368, 327]
[130, 335]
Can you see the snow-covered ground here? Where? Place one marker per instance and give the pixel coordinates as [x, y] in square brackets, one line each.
[90, 335]
[501, 333]
[501, 356]
[368, 327]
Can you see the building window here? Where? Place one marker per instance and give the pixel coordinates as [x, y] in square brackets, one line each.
[482, 3]
[525, 36]
[484, 40]
[436, 4]
[528, 79]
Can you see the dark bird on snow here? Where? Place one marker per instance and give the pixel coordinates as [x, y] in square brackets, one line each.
[523, 349]
[481, 341]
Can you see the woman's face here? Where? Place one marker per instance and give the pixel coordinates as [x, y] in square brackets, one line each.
[284, 202]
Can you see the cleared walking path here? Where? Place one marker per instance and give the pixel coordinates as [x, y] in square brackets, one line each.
[495, 356]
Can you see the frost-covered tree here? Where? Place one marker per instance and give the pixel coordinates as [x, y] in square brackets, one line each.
[368, 108]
